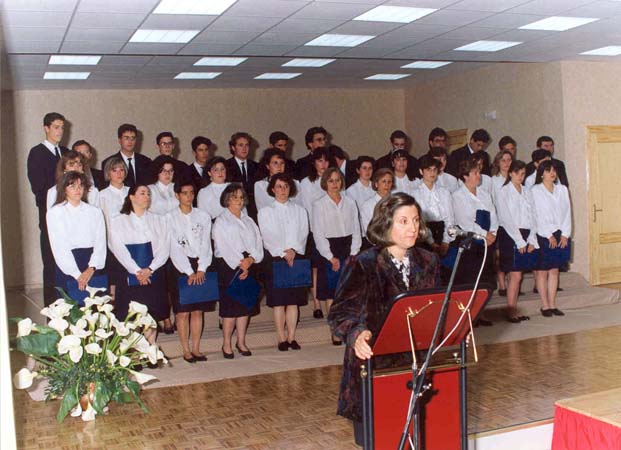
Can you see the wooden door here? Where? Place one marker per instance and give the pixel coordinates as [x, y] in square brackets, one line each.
[457, 138]
[604, 187]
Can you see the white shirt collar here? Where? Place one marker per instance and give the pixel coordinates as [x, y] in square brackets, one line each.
[51, 147]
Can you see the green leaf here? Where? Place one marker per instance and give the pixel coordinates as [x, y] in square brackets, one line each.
[75, 314]
[69, 401]
[39, 344]
[102, 397]
[122, 397]
[44, 329]
[134, 387]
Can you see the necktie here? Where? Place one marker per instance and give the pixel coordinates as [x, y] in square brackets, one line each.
[243, 164]
[57, 152]
[131, 179]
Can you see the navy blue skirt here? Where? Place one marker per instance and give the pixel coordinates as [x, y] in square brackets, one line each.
[510, 259]
[552, 258]
[326, 277]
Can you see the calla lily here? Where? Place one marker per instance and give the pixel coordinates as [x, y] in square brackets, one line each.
[72, 345]
[146, 321]
[77, 411]
[59, 309]
[124, 361]
[152, 353]
[79, 332]
[90, 301]
[106, 308]
[91, 317]
[59, 325]
[103, 334]
[120, 327]
[103, 320]
[137, 308]
[23, 379]
[25, 327]
[139, 342]
[111, 357]
[124, 345]
[93, 349]
[89, 414]
[142, 378]
[92, 291]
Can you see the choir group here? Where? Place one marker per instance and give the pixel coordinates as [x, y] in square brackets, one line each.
[218, 232]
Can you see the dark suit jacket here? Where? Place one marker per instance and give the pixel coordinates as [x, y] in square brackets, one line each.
[41, 168]
[462, 154]
[385, 162]
[99, 178]
[141, 168]
[303, 167]
[558, 165]
[198, 180]
[351, 176]
[234, 175]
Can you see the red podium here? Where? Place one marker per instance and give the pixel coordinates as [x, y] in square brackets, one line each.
[442, 423]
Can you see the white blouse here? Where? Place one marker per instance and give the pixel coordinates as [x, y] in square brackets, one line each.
[209, 199]
[70, 227]
[465, 206]
[360, 193]
[111, 201]
[190, 237]
[330, 220]
[497, 182]
[310, 191]
[92, 197]
[404, 185]
[366, 212]
[448, 182]
[552, 210]
[163, 198]
[283, 226]
[131, 229]
[436, 206]
[232, 237]
[515, 211]
[529, 182]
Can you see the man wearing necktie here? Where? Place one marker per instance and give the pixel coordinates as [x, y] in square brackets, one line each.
[240, 169]
[41, 167]
[137, 164]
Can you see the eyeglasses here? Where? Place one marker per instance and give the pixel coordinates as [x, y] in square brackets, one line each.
[128, 138]
[75, 186]
[167, 171]
[167, 144]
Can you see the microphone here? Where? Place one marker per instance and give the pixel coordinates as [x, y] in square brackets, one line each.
[456, 231]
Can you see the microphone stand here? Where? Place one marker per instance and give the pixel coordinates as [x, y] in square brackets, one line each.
[418, 380]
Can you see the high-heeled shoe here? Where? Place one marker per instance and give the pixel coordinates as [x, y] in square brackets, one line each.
[227, 355]
[191, 359]
[243, 352]
[200, 358]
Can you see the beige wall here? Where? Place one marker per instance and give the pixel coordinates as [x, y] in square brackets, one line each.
[359, 120]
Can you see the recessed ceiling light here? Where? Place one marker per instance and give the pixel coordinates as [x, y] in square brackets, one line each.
[308, 62]
[277, 76]
[399, 14]
[611, 50]
[66, 75]
[74, 60]
[339, 40]
[164, 36]
[224, 61]
[387, 76]
[197, 75]
[426, 64]
[211, 7]
[487, 46]
[558, 23]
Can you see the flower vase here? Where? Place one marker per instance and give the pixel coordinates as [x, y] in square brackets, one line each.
[86, 402]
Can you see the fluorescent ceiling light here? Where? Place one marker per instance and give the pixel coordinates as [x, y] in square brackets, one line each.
[210, 61]
[426, 64]
[339, 40]
[74, 60]
[487, 46]
[387, 76]
[399, 14]
[277, 76]
[66, 75]
[164, 36]
[211, 7]
[558, 23]
[308, 62]
[611, 50]
[197, 75]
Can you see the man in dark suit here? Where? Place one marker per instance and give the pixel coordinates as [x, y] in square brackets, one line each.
[479, 140]
[547, 143]
[315, 137]
[165, 143]
[280, 141]
[240, 169]
[41, 167]
[347, 168]
[399, 141]
[85, 149]
[196, 171]
[137, 165]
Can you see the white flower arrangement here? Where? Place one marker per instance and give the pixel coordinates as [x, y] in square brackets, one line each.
[87, 354]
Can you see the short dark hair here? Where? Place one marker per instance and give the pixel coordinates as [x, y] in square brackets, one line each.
[67, 179]
[198, 140]
[278, 136]
[545, 166]
[311, 132]
[320, 152]
[213, 161]
[158, 165]
[379, 174]
[516, 166]
[437, 152]
[285, 178]
[51, 117]
[378, 231]
[126, 127]
[185, 181]
[477, 156]
[64, 159]
[326, 175]
[481, 135]
[542, 139]
[236, 136]
[437, 132]
[127, 207]
[398, 134]
[269, 154]
[506, 140]
[427, 161]
[364, 158]
[228, 192]
[112, 163]
[399, 154]
[539, 154]
[80, 142]
[467, 166]
[336, 152]
[162, 135]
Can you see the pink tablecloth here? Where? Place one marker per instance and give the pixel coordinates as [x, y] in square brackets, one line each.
[575, 431]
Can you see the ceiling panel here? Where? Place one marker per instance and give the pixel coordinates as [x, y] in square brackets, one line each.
[487, 5]
[152, 49]
[99, 34]
[118, 6]
[209, 48]
[103, 20]
[366, 28]
[549, 7]
[258, 24]
[181, 22]
[34, 33]
[266, 8]
[32, 46]
[91, 46]
[453, 17]
[472, 33]
[269, 50]
[508, 20]
[38, 5]
[318, 26]
[323, 10]
[35, 18]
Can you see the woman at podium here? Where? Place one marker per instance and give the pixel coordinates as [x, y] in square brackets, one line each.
[368, 285]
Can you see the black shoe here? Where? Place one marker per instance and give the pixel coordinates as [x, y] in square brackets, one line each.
[484, 322]
[169, 330]
[293, 345]
[201, 358]
[535, 290]
[336, 342]
[559, 289]
[318, 314]
[524, 318]
[227, 355]
[283, 346]
[191, 359]
[220, 324]
[546, 312]
[513, 319]
[150, 365]
[557, 312]
[502, 292]
[243, 352]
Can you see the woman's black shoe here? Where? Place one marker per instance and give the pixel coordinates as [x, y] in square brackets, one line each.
[318, 314]
[283, 346]
[191, 359]
[336, 342]
[546, 312]
[200, 358]
[502, 292]
[484, 322]
[524, 318]
[557, 312]
[169, 330]
[293, 345]
[513, 319]
[227, 355]
[243, 352]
